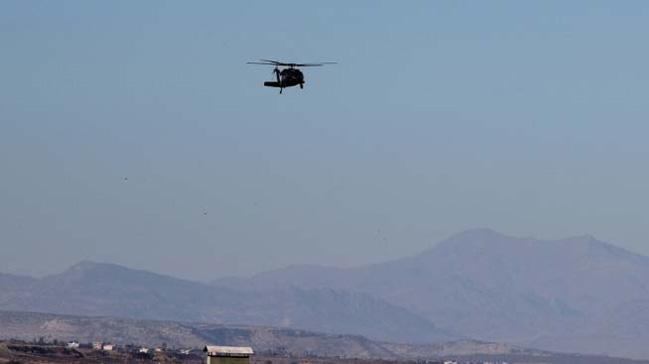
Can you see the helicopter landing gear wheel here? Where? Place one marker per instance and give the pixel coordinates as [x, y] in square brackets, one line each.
[301, 86]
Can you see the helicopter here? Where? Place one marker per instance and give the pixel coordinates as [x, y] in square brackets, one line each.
[289, 76]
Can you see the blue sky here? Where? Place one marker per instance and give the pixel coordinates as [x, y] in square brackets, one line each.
[526, 117]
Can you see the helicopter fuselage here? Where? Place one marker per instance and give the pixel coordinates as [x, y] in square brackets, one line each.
[287, 77]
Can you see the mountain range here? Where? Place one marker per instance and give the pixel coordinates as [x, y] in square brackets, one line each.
[89, 288]
[571, 295]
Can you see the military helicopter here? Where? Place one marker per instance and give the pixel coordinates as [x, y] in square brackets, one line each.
[287, 77]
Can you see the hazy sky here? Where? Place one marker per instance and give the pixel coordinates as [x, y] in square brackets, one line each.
[527, 117]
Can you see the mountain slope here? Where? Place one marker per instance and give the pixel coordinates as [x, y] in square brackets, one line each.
[494, 287]
[111, 290]
[13, 285]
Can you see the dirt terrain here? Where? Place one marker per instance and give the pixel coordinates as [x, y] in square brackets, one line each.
[20, 352]
[25, 353]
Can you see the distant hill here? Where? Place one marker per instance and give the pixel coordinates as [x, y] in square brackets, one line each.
[30, 326]
[91, 288]
[577, 294]
[12, 286]
[278, 341]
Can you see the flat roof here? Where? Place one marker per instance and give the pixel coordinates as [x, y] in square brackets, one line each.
[241, 351]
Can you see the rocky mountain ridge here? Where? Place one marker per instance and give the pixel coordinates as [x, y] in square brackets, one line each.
[577, 294]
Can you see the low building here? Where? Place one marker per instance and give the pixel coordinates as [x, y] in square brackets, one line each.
[73, 345]
[143, 350]
[97, 345]
[108, 347]
[228, 354]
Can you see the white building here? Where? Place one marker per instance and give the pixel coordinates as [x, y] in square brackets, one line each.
[73, 345]
[228, 354]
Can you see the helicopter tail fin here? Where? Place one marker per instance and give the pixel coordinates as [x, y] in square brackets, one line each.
[271, 84]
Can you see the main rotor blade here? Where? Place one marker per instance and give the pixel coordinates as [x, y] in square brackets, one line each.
[313, 64]
[271, 61]
[293, 64]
